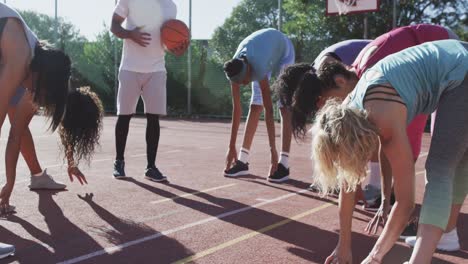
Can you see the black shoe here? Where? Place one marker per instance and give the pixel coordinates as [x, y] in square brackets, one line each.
[119, 169]
[239, 169]
[314, 188]
[153, 174]
[374, 207]
[411, 229]
[281, 174]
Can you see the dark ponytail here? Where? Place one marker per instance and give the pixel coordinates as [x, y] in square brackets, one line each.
[288, 80]
[304, 102]
[53, 68]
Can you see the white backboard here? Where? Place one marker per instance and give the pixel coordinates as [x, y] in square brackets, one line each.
[345, 7]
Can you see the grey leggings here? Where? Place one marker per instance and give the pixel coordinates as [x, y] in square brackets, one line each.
[447, 162]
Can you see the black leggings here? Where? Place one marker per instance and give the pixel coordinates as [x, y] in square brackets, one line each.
[153, 132]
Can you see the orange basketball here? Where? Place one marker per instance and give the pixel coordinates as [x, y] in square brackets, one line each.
[175, 36]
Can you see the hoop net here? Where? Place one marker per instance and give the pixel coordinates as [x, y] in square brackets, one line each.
[343, 7]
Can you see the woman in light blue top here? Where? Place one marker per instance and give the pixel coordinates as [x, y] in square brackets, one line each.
[389, 95]
[261, 54]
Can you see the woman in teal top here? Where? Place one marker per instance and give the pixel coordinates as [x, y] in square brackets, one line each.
[414, 81]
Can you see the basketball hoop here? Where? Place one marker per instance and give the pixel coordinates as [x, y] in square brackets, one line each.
[344, 7]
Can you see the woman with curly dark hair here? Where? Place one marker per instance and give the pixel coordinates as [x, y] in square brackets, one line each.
[45, 74]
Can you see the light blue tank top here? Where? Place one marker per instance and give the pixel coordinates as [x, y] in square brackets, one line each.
[420, 75]
[264, 50]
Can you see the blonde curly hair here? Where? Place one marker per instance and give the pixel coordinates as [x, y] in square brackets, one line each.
[343, 141]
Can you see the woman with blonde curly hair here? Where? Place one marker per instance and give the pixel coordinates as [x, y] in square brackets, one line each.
[375, 115]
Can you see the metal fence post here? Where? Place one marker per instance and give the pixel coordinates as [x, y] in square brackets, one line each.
[189, 64]
[56, 22]
[116, 70]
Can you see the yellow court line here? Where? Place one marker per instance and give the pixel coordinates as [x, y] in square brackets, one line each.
[192, 194]
[250, 235]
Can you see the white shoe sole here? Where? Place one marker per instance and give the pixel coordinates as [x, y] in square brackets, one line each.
[279, 180]
[448, 249]
[404, 237]
[7, 255]
[120, 177]
[237, 174]
[151, 179]
[441, 248]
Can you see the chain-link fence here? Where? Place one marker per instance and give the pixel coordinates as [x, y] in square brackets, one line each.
[96, 60]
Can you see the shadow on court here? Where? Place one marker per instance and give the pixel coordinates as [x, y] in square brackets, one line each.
[65, 240]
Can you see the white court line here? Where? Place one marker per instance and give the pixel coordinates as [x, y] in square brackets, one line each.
[110, 250]
[192, 194]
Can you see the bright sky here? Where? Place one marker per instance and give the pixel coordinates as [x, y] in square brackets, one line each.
[89, 15]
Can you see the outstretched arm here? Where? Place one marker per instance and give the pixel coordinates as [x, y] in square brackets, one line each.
[73, 170]
[342, 252]
[236, 117]
[270, 123]
[391, 122]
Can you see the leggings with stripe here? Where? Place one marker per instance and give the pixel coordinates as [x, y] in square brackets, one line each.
[447, 161]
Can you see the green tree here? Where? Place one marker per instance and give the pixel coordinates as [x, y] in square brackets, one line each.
[311, 30]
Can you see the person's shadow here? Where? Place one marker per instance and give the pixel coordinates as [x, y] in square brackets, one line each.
[62, 241]
[294, 232]
[121, 231]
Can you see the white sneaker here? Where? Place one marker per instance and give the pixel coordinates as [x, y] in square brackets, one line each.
[448, 242]
[6, 250]
[45, 182]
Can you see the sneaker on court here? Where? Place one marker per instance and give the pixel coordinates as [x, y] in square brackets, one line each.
[448, 242]
[281, 174]
[119, 169]
[153, 174]
[374, 207]
[45, 182]
[371, 193]
[411, 229]
[6, 250]
[313, 188]
[239, 169]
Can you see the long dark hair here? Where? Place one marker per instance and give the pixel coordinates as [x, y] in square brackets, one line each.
[310, 87]
[288, 80]
[81, 127]
[53, 69]
[304, 102]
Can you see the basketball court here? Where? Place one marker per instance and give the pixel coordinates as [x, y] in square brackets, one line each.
[198, 217]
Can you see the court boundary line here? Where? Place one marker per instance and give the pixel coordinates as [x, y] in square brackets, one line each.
[113, 249]
[250, 235]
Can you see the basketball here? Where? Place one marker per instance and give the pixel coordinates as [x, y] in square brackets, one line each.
[175, 36]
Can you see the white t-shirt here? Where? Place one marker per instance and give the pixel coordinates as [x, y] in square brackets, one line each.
[150, 16]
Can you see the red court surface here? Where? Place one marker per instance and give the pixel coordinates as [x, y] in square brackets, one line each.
[199, 216]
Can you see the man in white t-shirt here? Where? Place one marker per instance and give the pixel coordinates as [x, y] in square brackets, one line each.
[142, 73]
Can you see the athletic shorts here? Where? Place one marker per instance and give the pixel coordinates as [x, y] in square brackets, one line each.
[150, 86]
[289, 59]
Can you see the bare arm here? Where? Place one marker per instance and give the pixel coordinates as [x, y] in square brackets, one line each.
[386, 179]
[270, 122]
[391, 121]
[141, 38]
[236, 117]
